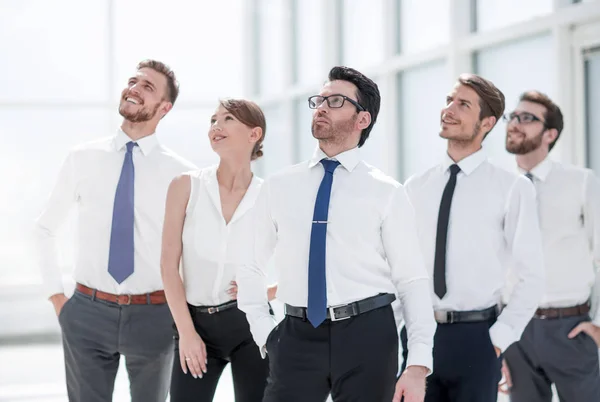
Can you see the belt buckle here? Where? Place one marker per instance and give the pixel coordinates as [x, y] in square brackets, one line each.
[332, 316]
[212, 310]
[124, 304]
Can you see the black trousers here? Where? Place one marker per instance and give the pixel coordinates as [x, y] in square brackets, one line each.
[546, 355]
[353, 360]
[228, 340]
[465, 365]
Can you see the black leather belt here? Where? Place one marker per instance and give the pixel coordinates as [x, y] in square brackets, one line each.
[213, 309]
[451, 317]
[344, 312]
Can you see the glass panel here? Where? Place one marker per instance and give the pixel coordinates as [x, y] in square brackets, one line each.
[53, 51]
[187, 36]
[273, 20]
[309, 42]
[363, 44]
[374, 151]
[592, 98]
[494, 14]
[529, 68]
[414, 34]
[278, 143]
[422, 91]
[185, 131]
[306, 143]
[34, 145]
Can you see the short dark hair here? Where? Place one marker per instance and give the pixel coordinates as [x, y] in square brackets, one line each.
[553, 117]
[251, 115]
[160, 67]
[491, 99]
[367, 94]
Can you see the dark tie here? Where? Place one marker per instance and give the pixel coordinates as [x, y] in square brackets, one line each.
[317, 288]
[120, 257]
[439, 265]
[529, 176]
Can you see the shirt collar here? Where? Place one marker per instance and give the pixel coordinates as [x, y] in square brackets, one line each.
[541, 170]
[146, 144]
[348, 159]
[468, 164]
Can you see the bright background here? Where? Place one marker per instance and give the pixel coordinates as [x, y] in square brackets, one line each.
[65, 62]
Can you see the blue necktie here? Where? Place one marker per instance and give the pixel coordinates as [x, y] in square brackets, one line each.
[120, 257]
[317, 288]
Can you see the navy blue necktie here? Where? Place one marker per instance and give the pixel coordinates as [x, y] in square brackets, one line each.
[439, 263]
[317, 287]
[120, 257]
[529, 176]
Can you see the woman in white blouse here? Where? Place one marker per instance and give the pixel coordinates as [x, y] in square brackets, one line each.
[208, 228]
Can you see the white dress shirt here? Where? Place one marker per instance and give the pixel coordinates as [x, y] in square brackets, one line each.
[88, 180]
[372, 246]
[212, 249]
[493, 224]
[568, 200]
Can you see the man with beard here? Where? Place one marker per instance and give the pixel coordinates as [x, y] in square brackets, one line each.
[473, 217]
[344, 242]
[560, 344]
[118, 186]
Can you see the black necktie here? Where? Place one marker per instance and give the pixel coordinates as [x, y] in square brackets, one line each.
[439, 265]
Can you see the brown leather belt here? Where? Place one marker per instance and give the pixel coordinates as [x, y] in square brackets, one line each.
[157, 297]
[550, 313]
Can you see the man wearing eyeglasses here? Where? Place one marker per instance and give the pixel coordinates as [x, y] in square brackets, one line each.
[345, 244]
[560, 344]
[474, 217]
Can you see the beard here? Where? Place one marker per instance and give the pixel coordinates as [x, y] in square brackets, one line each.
[526, 146]
[142, 115]
[463, 137]
[334, 131]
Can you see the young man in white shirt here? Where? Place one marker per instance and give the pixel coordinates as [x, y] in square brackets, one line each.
[118, 186]
[473, 217]
[560, 344]
[344, 243]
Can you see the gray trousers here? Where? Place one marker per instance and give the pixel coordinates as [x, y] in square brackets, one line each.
[545, 355]
[95, 335]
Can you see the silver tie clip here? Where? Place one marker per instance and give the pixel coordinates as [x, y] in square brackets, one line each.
[320, 221]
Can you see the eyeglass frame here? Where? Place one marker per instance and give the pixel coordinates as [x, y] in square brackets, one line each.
[344, 97]
[508, 117]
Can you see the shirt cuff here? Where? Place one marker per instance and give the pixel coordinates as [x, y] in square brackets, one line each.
[420, 354]
[502, 336]
[54, 288]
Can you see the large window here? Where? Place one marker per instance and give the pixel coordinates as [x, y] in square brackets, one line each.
[50, 55]
[494, 14]
[308, 41]
[514, 68]
[414, 34]
[278, 143]
[422, 92]
[362, 33]
[374, 151]
[185, 35]
[273, 21]
[305, 142]
[592, 100]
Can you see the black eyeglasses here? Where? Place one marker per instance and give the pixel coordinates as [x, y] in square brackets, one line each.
[335, 101]
[522, 118]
